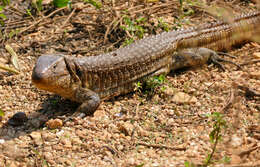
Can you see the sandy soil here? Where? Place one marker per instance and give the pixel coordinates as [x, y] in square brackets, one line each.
[130, 130]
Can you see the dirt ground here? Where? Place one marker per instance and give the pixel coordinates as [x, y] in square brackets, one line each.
[171, 128]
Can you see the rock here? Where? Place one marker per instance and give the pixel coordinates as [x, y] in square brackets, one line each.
[54, 123]
[66, 142]
[169, 91]
[38, 120]
[236, 141]
[255, 75]
[126, 128]
[37, 138]
[100, 114]
[181, 97]
[18, 119]
[256, 55]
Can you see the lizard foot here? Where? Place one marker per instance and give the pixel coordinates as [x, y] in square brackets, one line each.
[216, 60]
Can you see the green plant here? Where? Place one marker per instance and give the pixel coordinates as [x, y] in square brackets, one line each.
[44, 162]
[2, 113]
[135, 28]
[152, 85]
[2, 16]
[188, 164]
[163, 25]
[62, 3]
[155, 82]
[5, 2]
[37, 5]
[95, 3]
[219, 124]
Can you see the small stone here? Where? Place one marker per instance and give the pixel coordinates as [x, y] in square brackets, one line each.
[143, 132]
[48, 156]
[256, 55]
[120, 147]
[236, 141]
[100, 114]
[48, 136]
[37, 138]
[18, 119]
[54, 123]
[181, 97]
[235, 159]
[255, 75]
[126, 128]
[159, 139]
[169, 91]
[66, 143]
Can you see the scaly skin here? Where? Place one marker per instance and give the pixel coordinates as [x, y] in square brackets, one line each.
[91, 79]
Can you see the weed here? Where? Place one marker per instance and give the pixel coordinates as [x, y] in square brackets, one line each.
[2, 113]
[219, 124]
[95, 3]
[44, 162]
[37, 5]
[163, 25]
[151, 86]
[153, 83]
[189, 164]
[5, 2]
[135, 29]
[2, 15]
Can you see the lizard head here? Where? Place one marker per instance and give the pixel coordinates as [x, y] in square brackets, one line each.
[50, 73]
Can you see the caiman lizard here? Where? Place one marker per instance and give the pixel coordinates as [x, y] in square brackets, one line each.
[88, 80]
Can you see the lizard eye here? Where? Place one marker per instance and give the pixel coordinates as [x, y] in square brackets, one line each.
[54, 67]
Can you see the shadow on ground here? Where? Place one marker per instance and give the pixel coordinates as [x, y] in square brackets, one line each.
[53, 107]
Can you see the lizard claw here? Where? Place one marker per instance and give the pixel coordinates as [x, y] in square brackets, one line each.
[75, 115]
[215, 59]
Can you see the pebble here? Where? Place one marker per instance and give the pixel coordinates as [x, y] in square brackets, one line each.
[18, 119]
[181, 97]
[37, 138]
[54, 123]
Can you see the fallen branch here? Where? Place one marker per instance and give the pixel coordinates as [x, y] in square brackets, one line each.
[248, 91]
[161, 146]
[230, 101]
[71, 14]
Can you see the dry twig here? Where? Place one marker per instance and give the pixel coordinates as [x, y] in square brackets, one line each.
[230, 101]
[162, 146]
[8, 69]
[248, 91]
[37, 22]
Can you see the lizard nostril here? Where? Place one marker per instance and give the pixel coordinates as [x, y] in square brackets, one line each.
[36, 76]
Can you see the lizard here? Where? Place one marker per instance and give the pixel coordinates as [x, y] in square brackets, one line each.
[92, 79]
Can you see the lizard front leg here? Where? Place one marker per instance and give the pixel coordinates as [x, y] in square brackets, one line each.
[198, 56]
[90, 100]
[89, 103]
